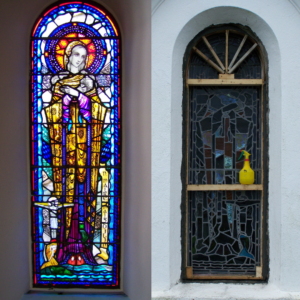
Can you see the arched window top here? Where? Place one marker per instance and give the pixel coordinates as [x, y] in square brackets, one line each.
[75, 148]
[99, 21]
[228, 50]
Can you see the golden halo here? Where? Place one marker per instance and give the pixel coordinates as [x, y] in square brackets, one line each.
[65, 45]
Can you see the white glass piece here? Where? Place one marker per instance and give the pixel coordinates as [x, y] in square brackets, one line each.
[103, 97]
[108, 45]
[46, 239]
[47, 96]
[108, 92]
[43, 44]
[112, 88]
[97, 26]
[63, 19]
[44, 118]
[51, 26]
[89, 20]
[103, 32]
[43, 60]
[74, 9]
[107, 118]
[95, 250]
[53, 223]
[108, 58]
[79, 17]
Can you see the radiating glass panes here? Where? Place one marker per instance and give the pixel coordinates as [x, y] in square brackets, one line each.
[75, 148]
[224, 235]
[250, 68]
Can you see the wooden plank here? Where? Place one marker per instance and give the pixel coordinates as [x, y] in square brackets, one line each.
[190, 275]
[210, 62]
[189, 272]
[224, 82]
[213, 52]
[226, 51]
[242, 58]
[226, 76]
[224, 277]
[225, 187]
[258, 271]
[238, 51]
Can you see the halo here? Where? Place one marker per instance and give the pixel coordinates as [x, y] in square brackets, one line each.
[55, 50]
[62, 46]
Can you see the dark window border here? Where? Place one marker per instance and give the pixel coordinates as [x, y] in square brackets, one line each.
[265, 155]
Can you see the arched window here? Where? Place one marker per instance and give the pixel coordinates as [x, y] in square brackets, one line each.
[75, 147]
[224, 115]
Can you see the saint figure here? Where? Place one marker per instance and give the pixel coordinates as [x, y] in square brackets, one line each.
[75, 119]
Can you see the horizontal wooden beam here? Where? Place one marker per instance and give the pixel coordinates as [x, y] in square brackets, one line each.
[225, 187]
[190, 275]
[224, 82]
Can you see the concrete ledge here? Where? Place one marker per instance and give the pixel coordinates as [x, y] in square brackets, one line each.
[69, 296]
[222, 291]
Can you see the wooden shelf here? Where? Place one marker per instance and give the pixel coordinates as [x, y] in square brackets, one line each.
[224, 82]
[190, 275]
[225, 187]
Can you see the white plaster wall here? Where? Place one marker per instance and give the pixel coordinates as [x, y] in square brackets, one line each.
[174, 24]
[16, 21]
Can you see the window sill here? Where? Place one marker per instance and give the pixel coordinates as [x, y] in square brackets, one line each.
[224, 291]
[70, 296]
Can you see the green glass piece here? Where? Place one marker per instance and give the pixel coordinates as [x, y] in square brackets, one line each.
[45, 133]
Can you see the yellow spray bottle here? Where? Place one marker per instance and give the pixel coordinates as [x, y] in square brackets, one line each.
[246, 174]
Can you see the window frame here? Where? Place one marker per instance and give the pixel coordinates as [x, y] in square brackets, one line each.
[262, 271]
[118, 288]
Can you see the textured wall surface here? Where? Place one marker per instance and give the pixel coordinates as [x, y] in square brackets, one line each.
[174, 24]
[16, 23]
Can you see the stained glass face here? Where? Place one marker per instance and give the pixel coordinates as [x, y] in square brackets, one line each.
[75, 148]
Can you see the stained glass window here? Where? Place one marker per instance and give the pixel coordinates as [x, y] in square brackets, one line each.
[75, 148]
[224, 112]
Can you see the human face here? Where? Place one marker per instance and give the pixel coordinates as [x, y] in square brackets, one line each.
[78, 56]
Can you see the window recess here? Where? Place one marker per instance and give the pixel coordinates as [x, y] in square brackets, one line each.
[223, 222]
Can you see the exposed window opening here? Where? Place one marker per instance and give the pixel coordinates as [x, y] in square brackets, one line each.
[224, 109]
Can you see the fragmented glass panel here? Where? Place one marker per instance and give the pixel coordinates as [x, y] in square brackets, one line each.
[75, 148]
[224, 232]
[223, 121]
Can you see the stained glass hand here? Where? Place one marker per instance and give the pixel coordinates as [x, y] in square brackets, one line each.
[70, 91]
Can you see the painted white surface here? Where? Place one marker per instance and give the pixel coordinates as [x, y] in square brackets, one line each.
[16, 22]
[277, 24]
